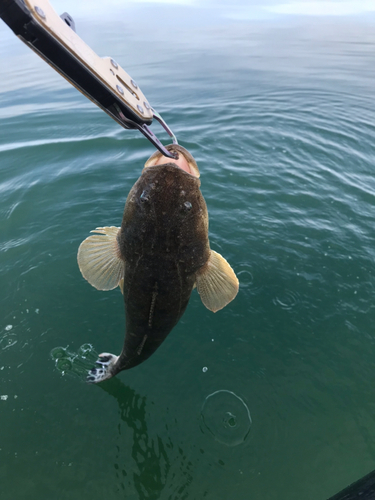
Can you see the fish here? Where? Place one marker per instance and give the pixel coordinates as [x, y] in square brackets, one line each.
[157, 257]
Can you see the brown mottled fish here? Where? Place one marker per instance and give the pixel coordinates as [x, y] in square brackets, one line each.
[160, 253]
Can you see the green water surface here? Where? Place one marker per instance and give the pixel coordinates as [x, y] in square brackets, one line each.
[271, 398]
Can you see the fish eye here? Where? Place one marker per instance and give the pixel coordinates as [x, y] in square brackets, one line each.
[144, 197]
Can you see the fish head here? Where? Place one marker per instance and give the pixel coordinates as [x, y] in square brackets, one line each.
[168, 192]
[165, 209]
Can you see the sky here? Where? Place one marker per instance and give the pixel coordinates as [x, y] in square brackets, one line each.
[231, 9]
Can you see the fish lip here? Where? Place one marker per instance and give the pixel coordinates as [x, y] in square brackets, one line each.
[194, 170]
[170, 164]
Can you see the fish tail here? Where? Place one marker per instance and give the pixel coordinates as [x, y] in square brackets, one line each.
[104, 368]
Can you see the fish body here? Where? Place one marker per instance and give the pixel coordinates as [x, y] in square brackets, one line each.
[160, 253]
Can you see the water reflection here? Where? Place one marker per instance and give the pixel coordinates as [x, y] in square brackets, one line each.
[153, 458]
[153, 464]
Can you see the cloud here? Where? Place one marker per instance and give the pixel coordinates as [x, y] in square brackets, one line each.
[324, 8]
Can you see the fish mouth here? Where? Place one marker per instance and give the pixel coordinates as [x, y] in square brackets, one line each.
[184, 160]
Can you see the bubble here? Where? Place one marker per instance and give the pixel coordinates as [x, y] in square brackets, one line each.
[204, 369]
[76, 364]
[226, 417]
[84, 350]
[229, 420]
[58, 352]
[8, 327]
[64, 365]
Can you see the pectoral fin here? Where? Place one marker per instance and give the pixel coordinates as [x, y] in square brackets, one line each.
[216, 283]
[99, 259]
